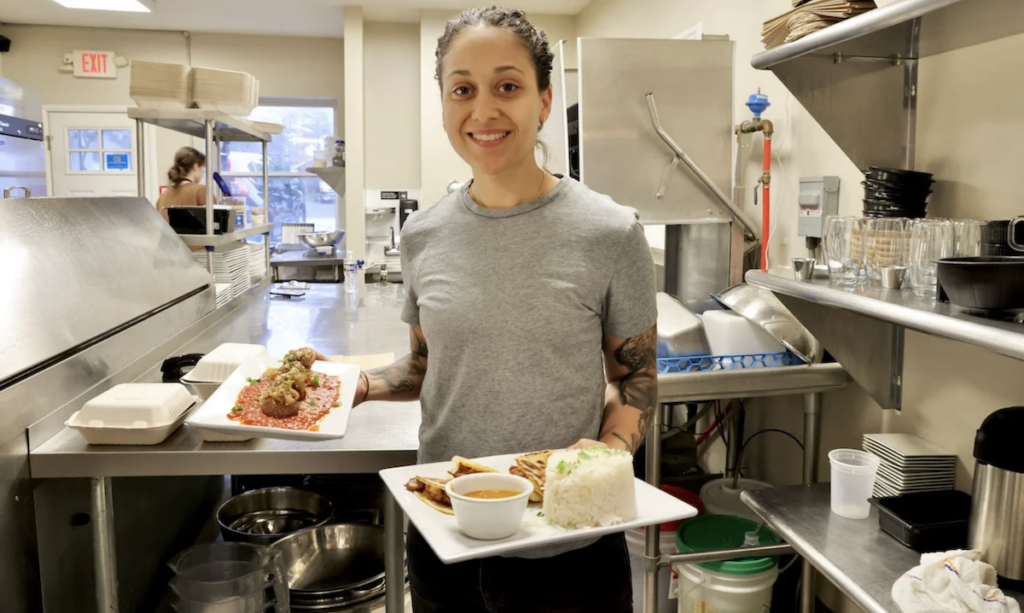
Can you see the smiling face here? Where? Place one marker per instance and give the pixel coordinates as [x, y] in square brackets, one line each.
[491, 102]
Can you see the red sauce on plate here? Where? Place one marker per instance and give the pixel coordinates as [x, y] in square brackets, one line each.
[318, 403]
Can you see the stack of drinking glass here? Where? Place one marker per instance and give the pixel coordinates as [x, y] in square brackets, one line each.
[881, 251]
[229, 578]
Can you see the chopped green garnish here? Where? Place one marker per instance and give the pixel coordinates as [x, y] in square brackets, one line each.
[252, 381]
[236, 409]
[540, 513]
[561, 467]
[316, 380]
[583, 456]
[312, 402]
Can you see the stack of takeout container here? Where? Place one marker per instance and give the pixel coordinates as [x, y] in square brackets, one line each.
[230, 265]
[235, 93]
[215, 367]
[257, 261]
[910, 464]
[156, 85]
[133, 414]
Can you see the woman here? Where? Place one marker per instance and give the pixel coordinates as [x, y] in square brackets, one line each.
[532, 306]
[185, 177]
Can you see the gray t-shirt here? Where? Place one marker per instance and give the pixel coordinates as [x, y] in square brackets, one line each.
[514, 304]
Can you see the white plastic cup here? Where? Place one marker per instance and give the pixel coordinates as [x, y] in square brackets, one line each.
[853, 478]
[257, 219]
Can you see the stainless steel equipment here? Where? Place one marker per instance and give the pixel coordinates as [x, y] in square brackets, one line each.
[331, 566]
[680, 332]
[764, 309]
[321, 243]
[104, 285]
[997, 505]
[270, 514]
[22, 152]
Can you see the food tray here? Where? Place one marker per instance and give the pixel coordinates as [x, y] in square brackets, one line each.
[217, 366]
[727, 362]
[653, 507]
[134, 405]
[213, 415]
[927, 521]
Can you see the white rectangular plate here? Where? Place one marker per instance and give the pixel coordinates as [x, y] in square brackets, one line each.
[653, 507]
[213, 415]
[909, 445]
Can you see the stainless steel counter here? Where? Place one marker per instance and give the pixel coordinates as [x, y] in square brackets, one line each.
[380, 435]
[856, 555]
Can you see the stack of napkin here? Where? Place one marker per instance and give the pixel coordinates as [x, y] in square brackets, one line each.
[810, 16]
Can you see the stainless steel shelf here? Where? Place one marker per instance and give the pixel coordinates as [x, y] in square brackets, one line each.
[854, 554]
[193, 122]
[216, 240]
[334, 176]
[751, 383]
[903, 308]
[944, 25]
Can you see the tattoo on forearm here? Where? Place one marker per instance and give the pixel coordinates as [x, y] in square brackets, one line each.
[639, 388]
[405, 375]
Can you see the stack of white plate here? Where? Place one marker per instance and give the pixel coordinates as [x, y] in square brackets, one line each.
[257, 261]
[223, 293]
[157, 85]
[235, 93]
[910, 464]
[230, 265]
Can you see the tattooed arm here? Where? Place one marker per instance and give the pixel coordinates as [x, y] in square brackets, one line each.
[632, 389]
[399, 381]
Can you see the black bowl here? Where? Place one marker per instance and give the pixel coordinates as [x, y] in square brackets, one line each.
[983, 282]
[895, 175]
[894, 215]
[894, 207]
[1001, 249]
[894, 194]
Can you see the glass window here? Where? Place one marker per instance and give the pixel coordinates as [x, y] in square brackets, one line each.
[296, 196]
[83, 139]
[85, 161]
[117, 139]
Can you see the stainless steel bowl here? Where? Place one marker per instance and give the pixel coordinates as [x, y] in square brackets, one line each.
[264, 516]
[329, 562]
[321, 239]
[764, 309]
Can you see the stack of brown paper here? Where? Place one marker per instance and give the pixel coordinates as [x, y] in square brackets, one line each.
[810, 16]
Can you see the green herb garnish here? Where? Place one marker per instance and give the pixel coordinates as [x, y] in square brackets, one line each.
[236, 409]
[312, 402]
[561, 467]
[316, 380]
[583, 456]
[540, 513]
[252, 381]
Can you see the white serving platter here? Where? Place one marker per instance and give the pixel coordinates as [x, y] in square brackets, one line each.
[213, 415]
[653, 507]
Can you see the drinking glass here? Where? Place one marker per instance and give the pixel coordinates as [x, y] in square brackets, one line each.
[930, 241]
[885, 245]
[967, 233]
[844, 249]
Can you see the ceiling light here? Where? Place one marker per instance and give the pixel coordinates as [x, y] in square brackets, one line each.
[133, 6]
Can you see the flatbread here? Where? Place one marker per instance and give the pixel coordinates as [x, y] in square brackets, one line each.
[431, 491]
[533, 466]
[465, 467]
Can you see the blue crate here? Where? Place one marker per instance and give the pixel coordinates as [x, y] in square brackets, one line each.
[727, 362]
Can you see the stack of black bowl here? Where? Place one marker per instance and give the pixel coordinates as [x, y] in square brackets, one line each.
[890, 192]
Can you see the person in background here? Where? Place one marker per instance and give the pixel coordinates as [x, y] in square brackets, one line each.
[185, 176]
[531, 303]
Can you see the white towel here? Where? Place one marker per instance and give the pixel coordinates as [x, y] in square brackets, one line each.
[954, 581]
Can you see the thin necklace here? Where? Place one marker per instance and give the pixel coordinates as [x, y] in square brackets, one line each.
[543, 178]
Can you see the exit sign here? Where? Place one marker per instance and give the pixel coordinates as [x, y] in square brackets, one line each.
[95, 64]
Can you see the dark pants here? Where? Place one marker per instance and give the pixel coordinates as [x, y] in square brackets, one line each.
[595, 579]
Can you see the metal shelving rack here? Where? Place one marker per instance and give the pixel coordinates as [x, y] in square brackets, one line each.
[214, 127]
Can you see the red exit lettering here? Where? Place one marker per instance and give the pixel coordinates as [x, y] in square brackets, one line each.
[94, 63]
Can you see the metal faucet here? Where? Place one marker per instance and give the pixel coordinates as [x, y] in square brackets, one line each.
[28, 192]
[392, 249]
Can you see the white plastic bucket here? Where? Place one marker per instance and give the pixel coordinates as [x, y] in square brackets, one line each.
[853, 477]
[701, 589]
[636, 543]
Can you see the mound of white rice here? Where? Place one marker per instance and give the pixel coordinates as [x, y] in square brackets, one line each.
[590, 487]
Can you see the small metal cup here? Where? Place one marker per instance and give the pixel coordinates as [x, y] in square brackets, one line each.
[803, 268]
[893, 276]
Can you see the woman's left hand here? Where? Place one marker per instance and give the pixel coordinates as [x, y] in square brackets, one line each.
[586, 443]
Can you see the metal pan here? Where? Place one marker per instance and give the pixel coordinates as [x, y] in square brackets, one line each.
[266, 515]
[329, 560]
[764, 309]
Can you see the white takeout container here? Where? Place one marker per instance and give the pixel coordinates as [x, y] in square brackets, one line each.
[489, 519]
[133, 414]
[215, 367]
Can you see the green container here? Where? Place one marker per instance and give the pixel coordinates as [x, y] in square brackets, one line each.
[713, 532]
